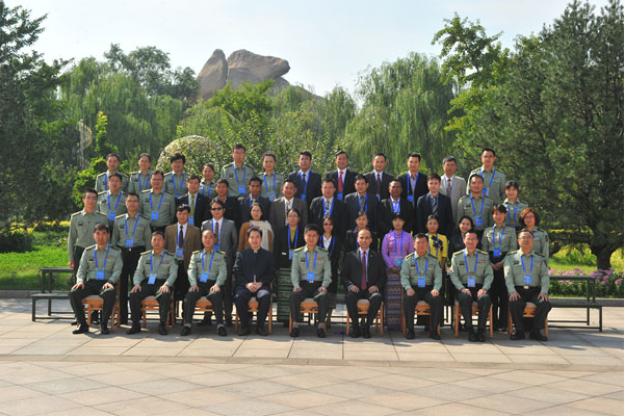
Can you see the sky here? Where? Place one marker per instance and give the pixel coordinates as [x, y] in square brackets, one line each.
[328, 43]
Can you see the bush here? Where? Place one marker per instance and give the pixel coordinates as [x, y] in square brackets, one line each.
[16, 239]
[608, 283]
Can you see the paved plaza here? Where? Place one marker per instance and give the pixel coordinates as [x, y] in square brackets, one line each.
[44, 369]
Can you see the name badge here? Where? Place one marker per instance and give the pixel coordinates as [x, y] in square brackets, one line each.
[271, 195]
[130, 243]
[191, 221]
[179, 253]
[216, 246]
[303, 197]
[397, 262]
[411, 198]
[204, 277]
[154, 216]
[111, 216]
[421, 281]
[310, 277]
[290, 254]
[99, 275]
[486, 191]
[242, 189]
[471, 281]
[339, 195]
[497, 252]
[151, 279]
[527, 279]
[479, 221]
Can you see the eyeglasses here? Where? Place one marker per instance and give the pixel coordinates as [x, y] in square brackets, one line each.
[216, 208]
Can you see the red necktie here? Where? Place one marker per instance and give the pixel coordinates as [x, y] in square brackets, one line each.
[363, 278]
[340, 181]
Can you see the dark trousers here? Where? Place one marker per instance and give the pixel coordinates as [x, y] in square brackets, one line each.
[410, 303]
[242, 298]
[215, 298]
[228, 294]
[517, 307]
[181, 286]
[92, 287]
[130, 259]
[77, 254]
[466, 306]
[351, 301]
[499, 295]
[309, 290]
[147, 291]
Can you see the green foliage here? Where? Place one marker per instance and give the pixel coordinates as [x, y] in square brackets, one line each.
[86, 179]
[15, 239]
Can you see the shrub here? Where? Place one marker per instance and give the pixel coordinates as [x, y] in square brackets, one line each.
[16, 239]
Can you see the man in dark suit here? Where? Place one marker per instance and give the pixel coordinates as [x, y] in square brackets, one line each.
[360, 201]
[364, 275]
[378, 179]
[395, 204]
[413, 183]
[229, 203]
[328, 206]
[280, 206]
[308, 183]
[245, 202]
[435, 203]
[343, 177]
[253, 271]
[198, 203]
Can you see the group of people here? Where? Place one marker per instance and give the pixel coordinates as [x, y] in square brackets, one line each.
[393, 241]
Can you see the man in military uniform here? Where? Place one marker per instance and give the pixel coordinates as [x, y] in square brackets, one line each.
[527, 279]
[132, 235]
[514, 206]
[140, 180]
[272, 181]
[311, 275]
[100, 266]
[494, 181]
[472, 276]
[158, 206]
[111, 202]
[238, 173]
[102, 180]
[207, 277]
[155, 276]
[176, 180]
[476, 205]
[422, 278]
[81, 226]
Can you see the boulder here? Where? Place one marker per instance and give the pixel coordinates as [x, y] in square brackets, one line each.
[213, 75]
[197, 150]
[245, 66]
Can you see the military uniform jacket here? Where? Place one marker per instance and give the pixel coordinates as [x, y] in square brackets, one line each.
[207, 189]
[514, 210]
[81, 226]
[408, 272]
[501, 238]
[494, 188]
[460, 270]
[541, 243]
[110, 262]
[242, 174]
[166, 209]
[216, 272]
[176, 185]
[111, 205]
[300, 268]
[514, 272]
[102, 181]
[165, 267]
[271, 188]
[465, 208]
[139, 182]
[124, 232]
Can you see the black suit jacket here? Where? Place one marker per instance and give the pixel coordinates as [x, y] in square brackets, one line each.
[352, 270]
[202, 207]
[348, 181]
[352, 208]
[373, 184]
[233, 212]
[316, 212]
[420, 189]
[445, 217]
[405, 210]
[312, 189]
[245, 204]
[351, 240]
[335, 251]
[281, 246]
[249, 264]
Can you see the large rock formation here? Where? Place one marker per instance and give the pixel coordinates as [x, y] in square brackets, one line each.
[213, 75]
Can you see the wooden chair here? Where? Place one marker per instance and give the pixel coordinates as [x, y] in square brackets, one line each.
[307, 306]
[474, 312]
[363, 310]
[422, 309]
[252, 307]
[96, 303]
[529, 312]
[150, 303]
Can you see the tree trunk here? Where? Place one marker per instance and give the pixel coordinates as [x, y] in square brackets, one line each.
[603, 252]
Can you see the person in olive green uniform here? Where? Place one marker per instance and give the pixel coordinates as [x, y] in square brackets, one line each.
[311, 275]
[175, 182]
[472, 276]
[527, 279]
[111, 202]
[498, 241]
[494, 181]
[237, 172]
[422, 278]
[112, 164]
[475, 205]
[514, 206]
[140, 180]
[100, 266]
[272, 181]
[207, 276]
[81, 226]
[155, 275]
[530, 220]
[207, 185]
[158, 206]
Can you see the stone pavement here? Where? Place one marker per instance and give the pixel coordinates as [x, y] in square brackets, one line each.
[44, 369]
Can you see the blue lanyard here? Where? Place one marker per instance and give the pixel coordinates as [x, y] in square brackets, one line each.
[146, 183]
[206, 189]
[398, 247]
[210, 264]
[473, 206]
[305, 179]
[275, 184]
[236, 174]
[416, 264]
[314, 262]
[500, 236]
[490, 183]
[396, 206]
[295, 241]
[173, 182]
[134, 229]
[106, 255]
[108, 201]
[152, 262]
[531, 264]
[323, 203]
[466, 262]
[513, 214]
[409, 184]
[330, 246]
[106, 182]
[159, 202]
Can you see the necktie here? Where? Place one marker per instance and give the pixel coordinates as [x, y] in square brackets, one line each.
[340, 181]
[327, 210]
[217, 231]
[180, 237]
[361, 202]
[435, 206]
[449, 187]
[192, 203]
[363, 278]
[378, 184]
[286, 211]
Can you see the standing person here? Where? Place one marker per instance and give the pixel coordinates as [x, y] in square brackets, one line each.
[364, 276]
[232, 211]
[207, 277]
[333, 243]
[237, 172]
[498, 241]
[257, 219]
[307, 182]
[327, 205]
[272, 181]
[198, 204]
[439, 248]
[437, 204]
[158, 206]
[132, 235]
[396, 245]
[378, 179]
[140, 180]
[476, 206]
[100, 266]
[254, 186]
[225, 232]
[351, 237]
[527, 280]
[530, 220]
[111, 202]
[452, 185]
[456, 241]
[288, 238]
[311, 275]
[207, 185]
[155, 276]
[176, 180]
[281, 206]
[513, 205]
[494, 180]
[343, 177]
[394, 205]
[112, 164]
[359, 201]
[254, 271]
[413, 183]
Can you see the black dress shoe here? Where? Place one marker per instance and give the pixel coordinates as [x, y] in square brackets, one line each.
[162, 330]
[354, 332]
[410, 334]
[472, 336]
[244, 331]
[81, 330]
[229, 322]
[481, 337]
[105, 330]
[186, 331]
[294, 332]
[221, 331]
[536, 335]
[262, 330]
[321, 332]
[366, 332]
[518, 336]
[435, 336]
[134, 329]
